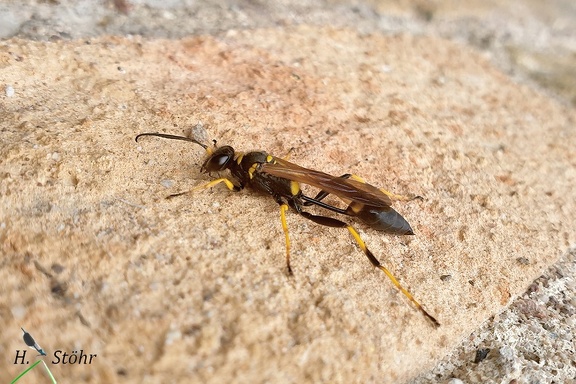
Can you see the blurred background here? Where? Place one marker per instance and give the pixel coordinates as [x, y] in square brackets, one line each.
[533, 41]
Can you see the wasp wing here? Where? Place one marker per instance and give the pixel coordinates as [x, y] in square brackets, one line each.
[348, 189]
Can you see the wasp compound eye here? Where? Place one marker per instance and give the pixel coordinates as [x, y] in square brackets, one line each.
[218, 161]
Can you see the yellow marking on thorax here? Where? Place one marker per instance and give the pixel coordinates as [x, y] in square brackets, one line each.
[239, 157]
[270, 159]
[252, 170]
[294, 188]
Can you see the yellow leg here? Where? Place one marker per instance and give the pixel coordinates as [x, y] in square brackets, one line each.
[288, 154]
[394, 196]
[335, 223]
[391, 195]
[211, 184]
[395, 281]
[283, 209]
[357, 178]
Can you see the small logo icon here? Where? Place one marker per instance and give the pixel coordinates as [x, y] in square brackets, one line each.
[21, 357]
[29, 340]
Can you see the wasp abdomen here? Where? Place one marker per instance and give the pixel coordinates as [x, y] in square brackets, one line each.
[384, 219]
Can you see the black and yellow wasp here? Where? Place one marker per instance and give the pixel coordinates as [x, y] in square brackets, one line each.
[281, 179]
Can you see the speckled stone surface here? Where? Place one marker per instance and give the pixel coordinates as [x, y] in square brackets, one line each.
[96, 256]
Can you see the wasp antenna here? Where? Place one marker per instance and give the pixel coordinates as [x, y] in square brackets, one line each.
[172, 137]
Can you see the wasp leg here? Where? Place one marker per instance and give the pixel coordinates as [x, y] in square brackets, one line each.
[380, 218]
[211, 184]
[322, 194]
[331, 222]
[283, 209]
[391, 195]
[288, 154]
[309, 201]
[396, 197]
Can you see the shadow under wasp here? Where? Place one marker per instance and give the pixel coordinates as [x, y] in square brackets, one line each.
[281, 179]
